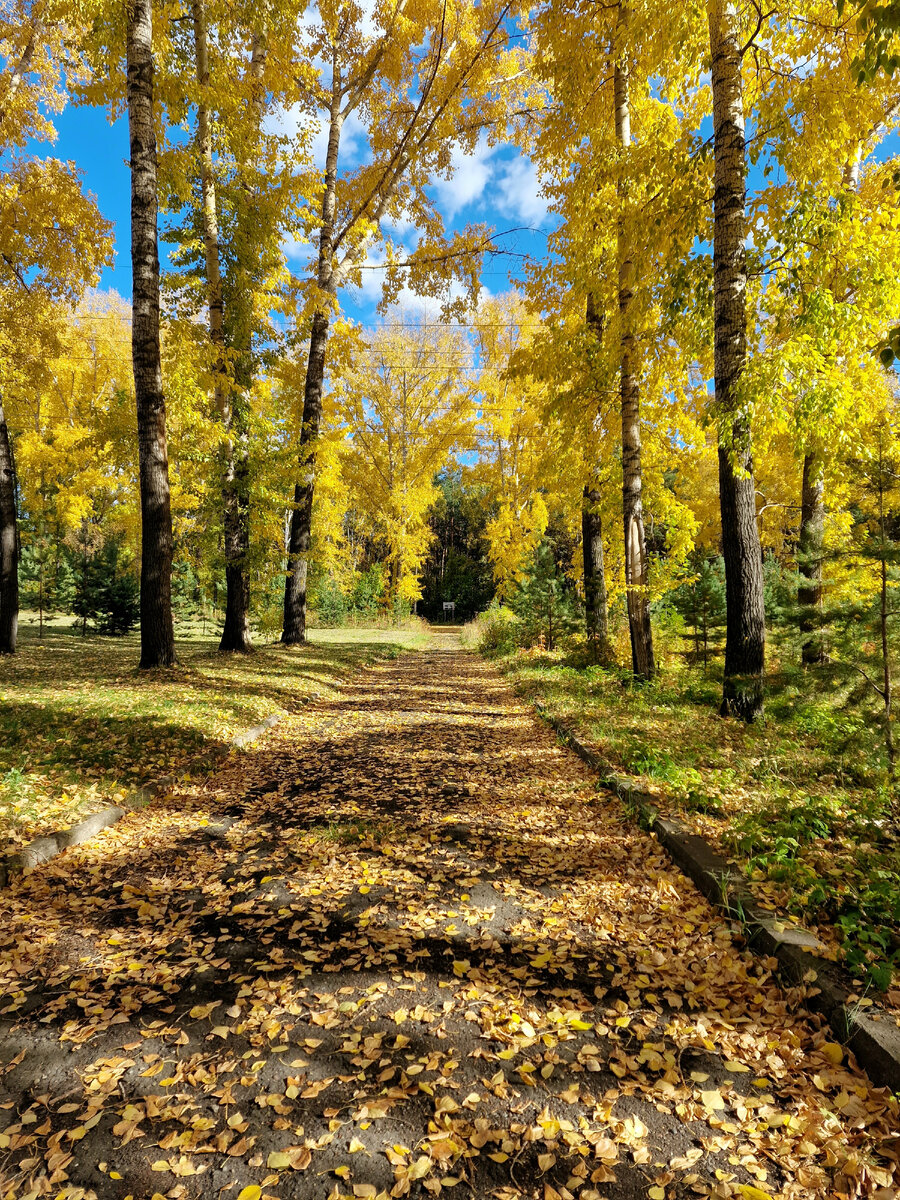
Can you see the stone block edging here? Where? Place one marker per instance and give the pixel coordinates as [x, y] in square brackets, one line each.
[42, 849]
[871, 1033]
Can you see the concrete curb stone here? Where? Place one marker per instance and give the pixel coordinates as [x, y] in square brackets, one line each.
[871, 1033]
[42, 849]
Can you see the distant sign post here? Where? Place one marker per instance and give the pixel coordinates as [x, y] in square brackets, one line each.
[449, 610]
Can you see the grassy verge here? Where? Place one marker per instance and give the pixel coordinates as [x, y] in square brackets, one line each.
[80, 726]
[796, 802]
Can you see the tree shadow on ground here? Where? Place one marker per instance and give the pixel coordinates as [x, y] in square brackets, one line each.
[422, 938]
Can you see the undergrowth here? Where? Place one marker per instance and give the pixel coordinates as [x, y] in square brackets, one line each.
[800, 802]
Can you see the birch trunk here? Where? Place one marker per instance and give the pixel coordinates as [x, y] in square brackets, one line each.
[294, 629]
[157, 634]
[9, 543]
[745, 614]
[236, 474]
[809, 558]
[236, 631]
[595, 596]
[595, 605]
[635, 543]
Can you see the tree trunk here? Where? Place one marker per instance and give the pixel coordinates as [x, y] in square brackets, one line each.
[635, 544]
[809, 558]
[886, 665]
[9, 543]
[596, 613]
[236, 476]
[745, 613]
[595, 595]
[235, 505]
[294, 629]
[157, 634]
[884, 612]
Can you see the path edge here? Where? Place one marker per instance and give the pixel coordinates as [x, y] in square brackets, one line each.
[871, 1033]
[49, 845]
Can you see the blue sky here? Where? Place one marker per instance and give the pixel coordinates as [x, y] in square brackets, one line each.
[497, 186]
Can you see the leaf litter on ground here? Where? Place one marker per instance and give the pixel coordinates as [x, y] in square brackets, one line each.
[80, 726]
[404, 947]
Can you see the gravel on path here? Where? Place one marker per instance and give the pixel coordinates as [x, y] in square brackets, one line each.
[404, 946]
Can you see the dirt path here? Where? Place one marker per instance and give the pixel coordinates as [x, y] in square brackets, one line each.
[402, 946]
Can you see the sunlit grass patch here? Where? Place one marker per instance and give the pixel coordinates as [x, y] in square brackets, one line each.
[80, 726]
[796, 801]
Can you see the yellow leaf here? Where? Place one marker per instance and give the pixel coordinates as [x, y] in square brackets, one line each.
[253, 1192]
[578, 1024]
[833, 1052]
[419, 1169]
[159, 1165]
[736, 1068]
[749, 1192]
[278, 1159]
[356, 1145]
[657, 1193]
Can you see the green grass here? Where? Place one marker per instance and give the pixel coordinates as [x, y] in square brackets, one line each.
[800, 802]
[80, 726]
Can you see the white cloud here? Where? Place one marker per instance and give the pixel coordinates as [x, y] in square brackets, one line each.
[369, 288]
[413, 306]
[510, 186]
[294, 123]
[403, 230]
[471, 173]
[296, 249]
[369, 26]
[518, 191]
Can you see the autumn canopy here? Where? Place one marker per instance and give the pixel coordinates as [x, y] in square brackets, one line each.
[692, 374]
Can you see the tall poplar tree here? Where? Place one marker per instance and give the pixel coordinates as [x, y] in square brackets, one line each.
[745, 614]
[157, 632]
[230, 402]
[9, 542]
[422, 82]
[635, 543]
[596, 608]
[248, 229]
[52, 243]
